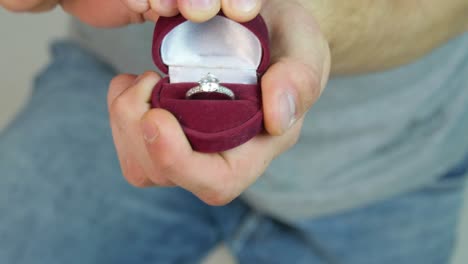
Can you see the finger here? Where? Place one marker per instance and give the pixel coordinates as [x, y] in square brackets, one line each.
[208, 176]
[199, 10]
[216, 179]
[28, 5]
[131, 171]
[139, 94]
[125, 111]
[296, 81]
[289, 88]
[252, 158]
[241, 10]
[138, 6]
[165, 8]
[102, 13]
[118, 85]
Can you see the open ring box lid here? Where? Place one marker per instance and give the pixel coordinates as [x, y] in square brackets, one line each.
[236, 53]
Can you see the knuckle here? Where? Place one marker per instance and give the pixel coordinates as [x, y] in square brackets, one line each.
[148, 73]
[161, 181]
[158, 179]
[217, 195]
[142, 79]
[120, 114]
[133, 174]
[137, 177]
[217, 198]
[119, 107]
[114, 85]
[137, 182]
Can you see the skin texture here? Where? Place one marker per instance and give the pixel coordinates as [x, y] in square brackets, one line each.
[357, 35]
[142, 134]
[115, 13]
[374, 35]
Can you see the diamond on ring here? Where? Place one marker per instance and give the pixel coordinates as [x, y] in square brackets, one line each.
[210, 84]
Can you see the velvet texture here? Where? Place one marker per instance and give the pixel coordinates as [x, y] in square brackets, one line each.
[210, 122]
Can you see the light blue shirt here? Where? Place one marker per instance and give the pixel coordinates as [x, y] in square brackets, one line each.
[368, 138]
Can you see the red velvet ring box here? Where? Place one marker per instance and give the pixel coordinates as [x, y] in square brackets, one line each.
[236, 53]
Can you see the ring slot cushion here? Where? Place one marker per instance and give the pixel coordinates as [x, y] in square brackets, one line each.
[236, 53]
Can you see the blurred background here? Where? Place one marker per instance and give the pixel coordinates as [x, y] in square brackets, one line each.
[24, 43]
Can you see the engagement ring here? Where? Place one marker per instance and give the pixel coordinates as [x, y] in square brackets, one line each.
[209, 84]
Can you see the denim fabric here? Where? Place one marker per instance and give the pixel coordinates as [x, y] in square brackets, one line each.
[63, 199]
[373, 136]
[402, 127]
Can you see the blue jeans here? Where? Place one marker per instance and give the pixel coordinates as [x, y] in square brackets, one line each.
[63, 200]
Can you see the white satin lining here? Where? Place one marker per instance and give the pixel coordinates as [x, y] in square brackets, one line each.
[221, 46]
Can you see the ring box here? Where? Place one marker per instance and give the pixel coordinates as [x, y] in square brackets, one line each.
[236, 53]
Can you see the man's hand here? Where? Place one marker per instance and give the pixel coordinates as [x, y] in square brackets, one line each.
[115, 13]
[153, 150]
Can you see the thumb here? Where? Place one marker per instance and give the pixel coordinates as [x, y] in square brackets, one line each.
[302, 66]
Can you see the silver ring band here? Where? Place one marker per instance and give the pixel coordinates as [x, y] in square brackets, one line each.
[210, 84]
[220, 90]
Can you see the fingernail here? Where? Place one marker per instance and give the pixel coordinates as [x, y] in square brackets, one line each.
[202, 4]
[243, 5]
[142, 4]
[150, 131]
[287, 111]
[168, 4]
